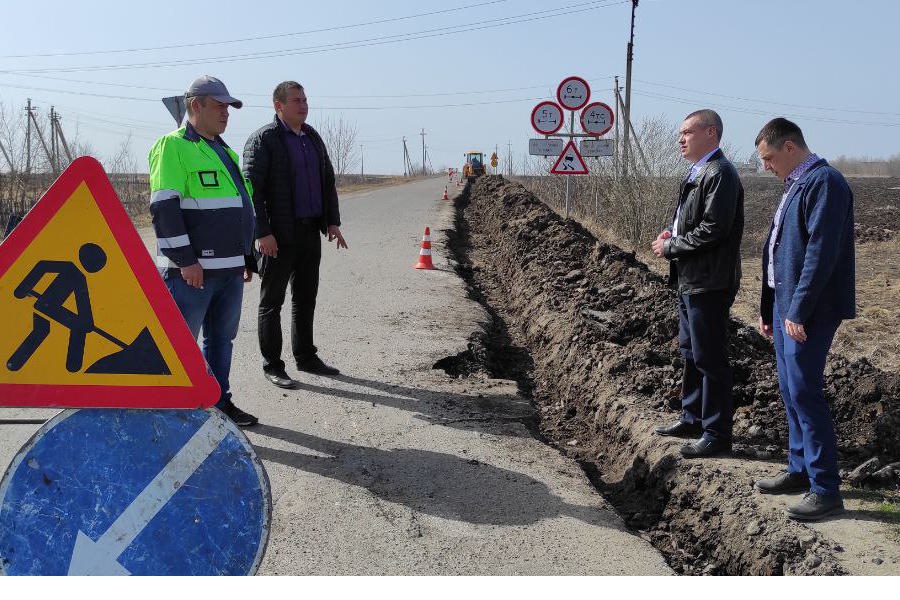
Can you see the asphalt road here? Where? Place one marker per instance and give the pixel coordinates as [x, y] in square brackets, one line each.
[393, 467]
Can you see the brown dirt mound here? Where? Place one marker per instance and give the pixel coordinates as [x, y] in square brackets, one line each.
[601, 330]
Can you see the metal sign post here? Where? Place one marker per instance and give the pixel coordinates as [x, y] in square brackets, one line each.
[572, 94]
[569, 177]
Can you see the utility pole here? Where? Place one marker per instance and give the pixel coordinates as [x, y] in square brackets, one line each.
[12, 167]
[423, 150]
[54, 150]
[634, 4]
[62, 138]
[508, 158]
[405, 159]
[637, 143]
[28, 139]
[40, 133]
[362, 160]
[617, 119]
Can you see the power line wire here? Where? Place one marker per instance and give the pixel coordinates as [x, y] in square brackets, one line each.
[269, 107]
[169, 90]
[376, 41]
[761, 112]
[259, 37]
[761, 101]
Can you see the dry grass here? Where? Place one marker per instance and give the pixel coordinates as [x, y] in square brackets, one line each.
[873, 334]
[351, 187]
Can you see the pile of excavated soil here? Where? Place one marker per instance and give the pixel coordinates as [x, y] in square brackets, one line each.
[601, 330]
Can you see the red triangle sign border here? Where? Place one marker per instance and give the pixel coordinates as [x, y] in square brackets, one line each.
[583, 170]
[204, 390]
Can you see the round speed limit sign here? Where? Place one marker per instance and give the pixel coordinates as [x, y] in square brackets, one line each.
[573, 93]
[547, 118]
[597, 118]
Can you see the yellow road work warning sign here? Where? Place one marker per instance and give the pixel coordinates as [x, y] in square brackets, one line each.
[88, 321]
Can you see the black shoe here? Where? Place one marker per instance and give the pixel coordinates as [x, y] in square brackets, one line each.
[705, 447]
[315, 366]
[680, 429]
[785, 483]
[240, 418]
[814, 507]
[280, 379]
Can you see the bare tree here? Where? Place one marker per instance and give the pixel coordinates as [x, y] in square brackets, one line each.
[122, 160]
[340, 139]
[883, 167]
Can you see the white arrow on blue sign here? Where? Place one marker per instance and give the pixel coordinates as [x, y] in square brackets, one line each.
[118, 492]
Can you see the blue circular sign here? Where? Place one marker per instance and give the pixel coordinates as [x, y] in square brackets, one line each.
[142, 492]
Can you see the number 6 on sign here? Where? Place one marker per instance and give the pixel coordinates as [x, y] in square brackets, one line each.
[573, 93]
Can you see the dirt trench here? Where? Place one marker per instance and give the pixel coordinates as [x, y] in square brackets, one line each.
[602, 369]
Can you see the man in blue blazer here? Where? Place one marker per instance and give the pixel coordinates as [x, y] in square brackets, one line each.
[808, 289]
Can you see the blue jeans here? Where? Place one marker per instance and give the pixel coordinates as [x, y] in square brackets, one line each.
[217, 308]
[801, 378]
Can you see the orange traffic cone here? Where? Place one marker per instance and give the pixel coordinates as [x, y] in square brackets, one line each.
[444, 195]
[425, 252]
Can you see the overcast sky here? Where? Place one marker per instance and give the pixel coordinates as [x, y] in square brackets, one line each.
[469, 72]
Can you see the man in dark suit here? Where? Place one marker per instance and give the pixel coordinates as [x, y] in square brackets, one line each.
[296, 201]
[809, 287]
[703, 247]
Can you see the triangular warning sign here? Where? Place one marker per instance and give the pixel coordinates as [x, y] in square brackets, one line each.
[87, 320]
[569, 162]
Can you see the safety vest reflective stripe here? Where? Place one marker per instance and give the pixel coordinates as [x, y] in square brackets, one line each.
[228, 262]
[164, 195]
[174, 242]
[211, 203]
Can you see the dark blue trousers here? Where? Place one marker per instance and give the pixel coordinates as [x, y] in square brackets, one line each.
[707, 378]
[801, 377]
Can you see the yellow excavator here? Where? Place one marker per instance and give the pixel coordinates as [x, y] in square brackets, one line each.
[474, 166]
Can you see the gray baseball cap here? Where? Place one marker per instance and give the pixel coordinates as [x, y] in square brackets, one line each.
[208, 85]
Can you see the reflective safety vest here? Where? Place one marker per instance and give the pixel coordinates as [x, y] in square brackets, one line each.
[198, 212]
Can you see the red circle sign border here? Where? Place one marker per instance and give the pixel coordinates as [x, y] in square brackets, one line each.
[586, 87]
[561, 117]
[612, 117]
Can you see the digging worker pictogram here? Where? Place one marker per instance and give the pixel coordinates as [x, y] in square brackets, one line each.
[69, 281]
[139, 357]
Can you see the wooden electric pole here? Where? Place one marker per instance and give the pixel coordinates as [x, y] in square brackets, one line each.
[630, 57]
[618, 118]
[28, 139]
[423, 150]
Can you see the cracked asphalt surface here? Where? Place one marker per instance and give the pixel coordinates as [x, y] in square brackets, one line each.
[393, 467]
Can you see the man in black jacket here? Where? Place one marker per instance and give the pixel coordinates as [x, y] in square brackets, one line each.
[703, 246]
[296, 201]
